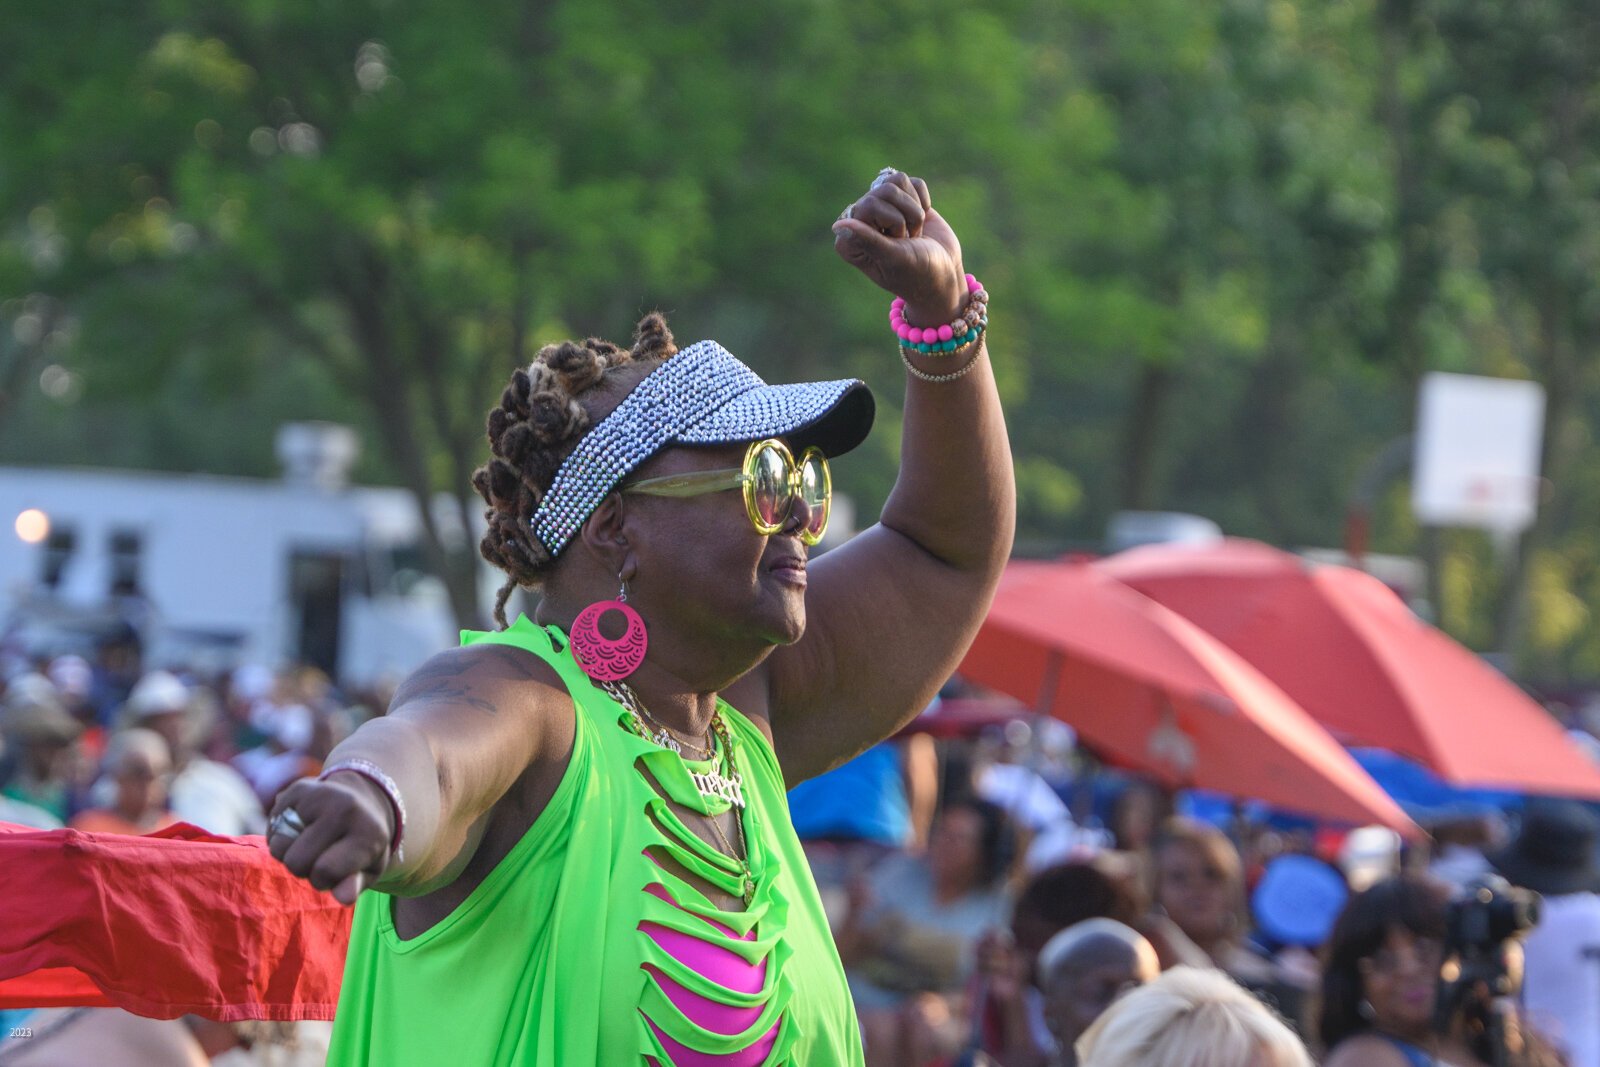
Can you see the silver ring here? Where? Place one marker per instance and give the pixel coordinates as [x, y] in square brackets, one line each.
[287, 824]
[848, 213]
[883, 175]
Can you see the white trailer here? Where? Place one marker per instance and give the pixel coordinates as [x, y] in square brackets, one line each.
[229, 570]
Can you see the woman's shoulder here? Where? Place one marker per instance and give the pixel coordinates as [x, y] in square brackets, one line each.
[1367, 1050]
[523, 656]
[523, 648]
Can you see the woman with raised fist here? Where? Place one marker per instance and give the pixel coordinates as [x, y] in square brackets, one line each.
[576, 825]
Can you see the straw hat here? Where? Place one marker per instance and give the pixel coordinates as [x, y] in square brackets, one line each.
[32, 713]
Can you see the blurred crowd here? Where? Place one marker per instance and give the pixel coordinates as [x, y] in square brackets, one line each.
[997, 896]
[995, 892]
[101, 744]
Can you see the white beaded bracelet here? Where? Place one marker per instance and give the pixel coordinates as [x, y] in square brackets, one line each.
[952, 376]
[380, 778]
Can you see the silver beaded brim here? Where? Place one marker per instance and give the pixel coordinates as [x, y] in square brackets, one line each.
[702, 396]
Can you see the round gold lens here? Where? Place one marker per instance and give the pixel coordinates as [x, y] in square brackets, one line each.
[769, 488]
[816, 489]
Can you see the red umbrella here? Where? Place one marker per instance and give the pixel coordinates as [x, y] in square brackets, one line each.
[1350, 652]
[1151, 691]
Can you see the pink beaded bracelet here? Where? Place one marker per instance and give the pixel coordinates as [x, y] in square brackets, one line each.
[951, 337]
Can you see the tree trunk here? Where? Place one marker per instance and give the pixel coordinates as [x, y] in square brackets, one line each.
[1559, 449]
[429, 346]
[1416, 274]
[1264, 422]
[400, 439]
[1417, 270]
[1141, 434]
[397, 424]
[1560, 341]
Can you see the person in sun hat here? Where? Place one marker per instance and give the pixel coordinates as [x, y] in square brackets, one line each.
[208, 794]
[40, 737]
[576, 824]
[1553, 854]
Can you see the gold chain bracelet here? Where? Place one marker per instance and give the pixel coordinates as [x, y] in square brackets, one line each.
[936, 378]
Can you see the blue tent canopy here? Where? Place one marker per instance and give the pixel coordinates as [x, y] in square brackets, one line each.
[1424, 795]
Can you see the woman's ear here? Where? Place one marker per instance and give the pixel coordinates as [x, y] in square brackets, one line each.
[605, 537]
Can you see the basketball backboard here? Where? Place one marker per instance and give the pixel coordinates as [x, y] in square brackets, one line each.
[1477, 452]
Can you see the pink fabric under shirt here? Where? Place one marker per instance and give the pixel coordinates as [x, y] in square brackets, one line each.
[721, 966]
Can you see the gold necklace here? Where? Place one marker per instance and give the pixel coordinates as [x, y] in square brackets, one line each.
[710, 748]
[623, 694]
[711, 785]
[741, 855]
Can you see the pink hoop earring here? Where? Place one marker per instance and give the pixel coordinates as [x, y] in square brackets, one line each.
[600, 657]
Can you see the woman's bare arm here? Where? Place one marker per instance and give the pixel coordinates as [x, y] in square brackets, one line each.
[890, 614]
[461, 731]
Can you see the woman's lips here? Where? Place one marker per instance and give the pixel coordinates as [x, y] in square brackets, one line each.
[1417, 996]
[790, 572]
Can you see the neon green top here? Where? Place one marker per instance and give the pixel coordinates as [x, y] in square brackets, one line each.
[568, 953]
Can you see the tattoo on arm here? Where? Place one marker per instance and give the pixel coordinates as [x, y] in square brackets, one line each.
[444, 679]
[426, 678]
[445, 691]
[440, 680]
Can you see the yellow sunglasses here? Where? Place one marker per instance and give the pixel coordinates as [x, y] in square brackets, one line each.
[772, 481]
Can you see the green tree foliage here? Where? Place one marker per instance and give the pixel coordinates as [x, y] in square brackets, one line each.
[1225, 240]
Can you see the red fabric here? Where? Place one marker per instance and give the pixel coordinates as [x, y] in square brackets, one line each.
[171, 923]
[53, 987]
[1349, 651]
[1151, 691]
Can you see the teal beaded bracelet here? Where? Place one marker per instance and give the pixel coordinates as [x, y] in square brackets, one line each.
[950, 347]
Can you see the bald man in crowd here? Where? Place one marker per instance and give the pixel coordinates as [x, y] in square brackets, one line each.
[1082, 970]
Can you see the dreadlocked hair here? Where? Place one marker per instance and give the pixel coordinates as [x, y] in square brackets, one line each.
[537, 424]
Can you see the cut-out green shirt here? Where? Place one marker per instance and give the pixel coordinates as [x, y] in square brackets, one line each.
[545, 962]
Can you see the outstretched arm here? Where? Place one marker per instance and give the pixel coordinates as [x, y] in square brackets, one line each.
[461, 732]
[890, 614]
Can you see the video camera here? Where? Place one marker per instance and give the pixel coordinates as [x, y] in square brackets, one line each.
[1487, 914]
[1480, 925]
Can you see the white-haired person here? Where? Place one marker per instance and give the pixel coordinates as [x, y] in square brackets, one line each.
[1190, 1017]
[1082, 971]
